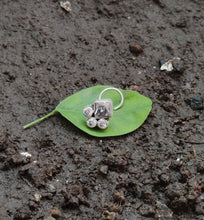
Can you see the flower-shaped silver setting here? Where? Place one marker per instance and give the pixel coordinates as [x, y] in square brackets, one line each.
[99, 113]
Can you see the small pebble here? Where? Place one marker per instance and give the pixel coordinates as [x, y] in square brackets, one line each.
[55, 212]
[167, 66]
[179, 203]
[66, 5]
[181, 23]
[165, 178]
[196, 103]
[113, 207]
[37, 197]
[175, 190]
[146, 210]
[162, 211]
[108, 215]
[75, 195]
[51, 188]
[116, 159]
[119, 196]
[175, 64]
[103, 169]
[136, 49]
[33, 204]
[47, 195]
[26, 154]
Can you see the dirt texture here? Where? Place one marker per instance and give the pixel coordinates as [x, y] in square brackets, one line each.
[55, 171]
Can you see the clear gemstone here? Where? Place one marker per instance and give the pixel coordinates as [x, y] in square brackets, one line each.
[88, 111]
[103, 108]
[102, 123]
[91, 122]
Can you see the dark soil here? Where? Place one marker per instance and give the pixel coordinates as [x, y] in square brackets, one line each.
[47, 54]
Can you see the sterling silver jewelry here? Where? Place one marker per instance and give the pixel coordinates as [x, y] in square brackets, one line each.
[99, 113]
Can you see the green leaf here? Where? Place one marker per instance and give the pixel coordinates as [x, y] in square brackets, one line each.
[128, 118]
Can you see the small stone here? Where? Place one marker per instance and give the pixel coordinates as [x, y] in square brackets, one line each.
[192, 196]
[55, 212]
[179, 203]
[91, 122]
[66, 5]
[175, 190]
[76, 158]
[47, 195]
[116, 159]
[119, 195]
[102, 123]
[75, 195]
[48, 68]
[165, 178]
[146, 210]
[175, 64]
[162, 211]
[37, 197]
[169, 46]
[108, 215]
[51, 188]
[32, 204]
[167, 66]
[196, 103]
[181, 23]
[26, 154]
[115, 207]
[147, 193]
[136, 49]
[103, 169]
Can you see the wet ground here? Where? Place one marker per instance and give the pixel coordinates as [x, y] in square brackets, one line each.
[55, 171]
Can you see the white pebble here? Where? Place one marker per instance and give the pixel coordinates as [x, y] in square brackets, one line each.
[168, 66]
[37, 197]
[66, 5]
[26, 154]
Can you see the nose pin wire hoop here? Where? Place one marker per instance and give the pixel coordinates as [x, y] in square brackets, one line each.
[117, 90]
